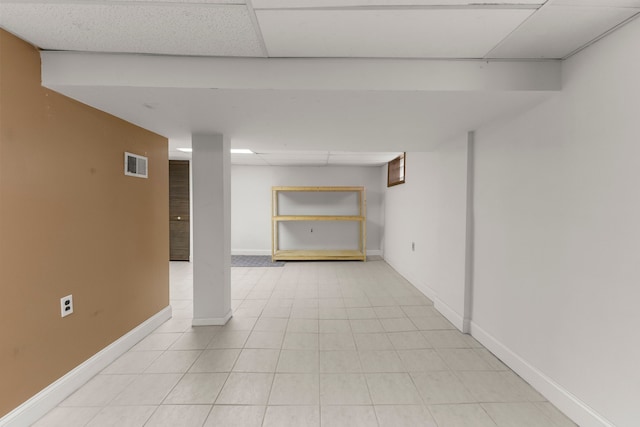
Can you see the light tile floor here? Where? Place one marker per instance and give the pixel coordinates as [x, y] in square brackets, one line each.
[310, 344]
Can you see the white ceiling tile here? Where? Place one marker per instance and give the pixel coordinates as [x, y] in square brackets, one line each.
[601, 3]
[181, 1]
[278, 4]
[384, 154]
[174, 143]
[365, 159]
[299, 162]
[353, 162]
[253, 160]
[294, 153]
[433, 33]
[557, 31]
[189, 29]
[287, 156]
[297, 158]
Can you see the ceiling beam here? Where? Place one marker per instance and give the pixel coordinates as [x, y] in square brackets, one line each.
[61, 69]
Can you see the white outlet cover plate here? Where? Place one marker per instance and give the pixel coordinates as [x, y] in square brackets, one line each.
[66, 305]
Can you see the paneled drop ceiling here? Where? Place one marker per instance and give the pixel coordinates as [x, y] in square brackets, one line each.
[387, 33]
[297, 158]
[313, 158]
[157, 27]
[494, 30]
[319, 28]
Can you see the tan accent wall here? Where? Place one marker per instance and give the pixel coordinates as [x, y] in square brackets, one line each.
[71, 223]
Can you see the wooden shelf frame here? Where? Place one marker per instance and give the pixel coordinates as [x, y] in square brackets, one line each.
[317, 218]
[328, 254]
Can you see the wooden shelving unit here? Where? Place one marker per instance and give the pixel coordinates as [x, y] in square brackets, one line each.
[325, 254]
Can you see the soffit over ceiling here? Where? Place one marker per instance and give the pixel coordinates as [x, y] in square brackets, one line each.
[300, 120]
[292, 158]
[523, 29]
[275, 105]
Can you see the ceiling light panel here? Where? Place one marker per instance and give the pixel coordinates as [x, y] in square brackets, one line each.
[395, 33]
[141, 27]
[301, 4]
[547, 35]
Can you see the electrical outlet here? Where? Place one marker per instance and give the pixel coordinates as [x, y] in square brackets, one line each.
[413, 246]
[66, 305]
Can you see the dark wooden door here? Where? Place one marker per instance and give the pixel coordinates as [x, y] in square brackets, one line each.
[179, 213]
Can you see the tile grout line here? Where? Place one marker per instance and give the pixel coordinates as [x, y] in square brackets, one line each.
[346, 281]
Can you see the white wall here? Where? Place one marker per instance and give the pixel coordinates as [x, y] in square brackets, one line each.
[251, 203]
[557, 242]
[411, 215]
[430, 210]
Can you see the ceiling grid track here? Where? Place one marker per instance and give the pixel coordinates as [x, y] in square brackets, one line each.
[601, 36]
[256, 27]
[488, 57]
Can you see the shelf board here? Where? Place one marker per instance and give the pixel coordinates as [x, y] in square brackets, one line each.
[318, 218]
[327, 189]
[296, 255]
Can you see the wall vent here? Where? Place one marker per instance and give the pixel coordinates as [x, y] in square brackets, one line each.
[135, 165]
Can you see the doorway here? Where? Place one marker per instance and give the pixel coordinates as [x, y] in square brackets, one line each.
[179, 211]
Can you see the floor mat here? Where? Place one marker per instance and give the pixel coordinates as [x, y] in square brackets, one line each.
[254, 261]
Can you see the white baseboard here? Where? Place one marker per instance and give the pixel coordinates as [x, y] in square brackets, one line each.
[212, 321]
[263, 252]
[47, 399]
[422, 287]
[581, 413]
[573, 407]
[251, 252]
[430, 293]
[449, 313]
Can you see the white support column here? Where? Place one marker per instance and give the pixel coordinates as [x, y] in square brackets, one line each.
[211, 172]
